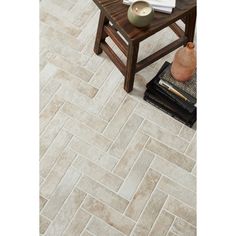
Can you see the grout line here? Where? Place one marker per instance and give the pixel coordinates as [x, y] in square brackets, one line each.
[190, 142]
[89, 221]
[171, 225]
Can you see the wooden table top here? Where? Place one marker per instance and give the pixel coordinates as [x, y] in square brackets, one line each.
[116, 12]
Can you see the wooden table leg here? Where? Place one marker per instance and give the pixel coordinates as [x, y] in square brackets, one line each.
[101, 35]
[131, 66]
[190, 22]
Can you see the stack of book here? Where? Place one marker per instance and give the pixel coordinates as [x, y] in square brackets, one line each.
[178, 99]
[165, 6]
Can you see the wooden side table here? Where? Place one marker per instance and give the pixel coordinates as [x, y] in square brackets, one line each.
[113, 19]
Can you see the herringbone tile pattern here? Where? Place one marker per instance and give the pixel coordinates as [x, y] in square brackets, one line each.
[110, 164]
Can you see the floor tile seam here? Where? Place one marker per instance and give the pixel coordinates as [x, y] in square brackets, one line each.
[175, 166]
[69, 223]
[176, 216]
[106, 170]
[65, 201]
[87, 224]
[148, 201]
[132, 198]
[51, 170]
[121, 129]
[171, 225]
[64, 21]
[87, 113]
[195, 135]
[141, 151]
[195, 166]
[45, 154]
[127, 176]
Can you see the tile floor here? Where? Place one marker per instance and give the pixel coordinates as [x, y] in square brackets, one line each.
[110, 164]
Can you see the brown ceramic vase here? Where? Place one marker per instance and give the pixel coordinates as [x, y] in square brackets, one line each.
[184, 63]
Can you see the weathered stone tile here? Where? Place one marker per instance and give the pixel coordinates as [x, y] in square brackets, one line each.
[65, 4]
[103, 194]
[46, 74]
[52, 131]
[125, 136]
[181, 227]
[66, 213]
[61, 193]
[134, 149]
[44, 223]
[181, 210]
[178, 191]
[53, 152]
[48, 92]
[100, 228]
[82, 131]
[163, 224]
[78, 223]
[109, 215]
[94, 64]
[187, 133]
[101, 73]
[160, 118]
[150, 214]
[58, 24]
[174, 172]
[97, 173]
[192, 151]
[57, 172]
[113, 104]
[164, 136]
[136, 175]
[170, 154]
[101, 158]
[89, 119]
[142, 195]
[120, 118]
[49, 112]
[71, 68]
[43, 201]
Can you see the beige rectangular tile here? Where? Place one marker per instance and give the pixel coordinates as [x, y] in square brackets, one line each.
[78, 223]
[163, 224]
[142, 195]
[187, 133]
[177, 191]
[175, 173]
[57, 172]
[49, 112]
[130, 156]
[61, 193]
[150, 214]
[66, 213]
[65, 4]
[170, 154]
[192, 149]
[136, 175]
[42, 202]
[181, 210]
[47, 73]
[159, 118]
[163, 136]
[89, 119]
[82, 131]
[120, 118]
[52, 131]
[58, 24]
[128, 131]
[44, 223]
[113, 104]
[53, 152]
[109, 215]
[94, 154]
[101, 73]
[70, 80]
[48, 92]
[95, 64]
[102, 193]
[98, 173]
[100, 228]
[181, 227]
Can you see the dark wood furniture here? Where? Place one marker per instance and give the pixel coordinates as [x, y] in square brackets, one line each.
[113, 19]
